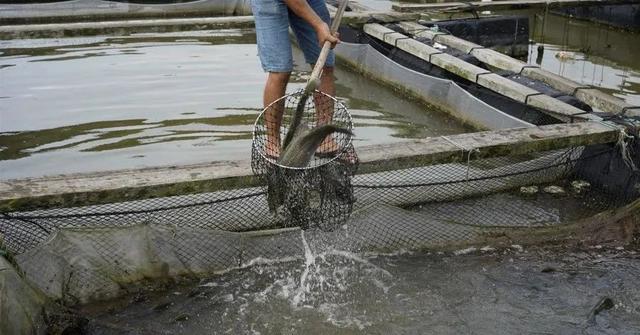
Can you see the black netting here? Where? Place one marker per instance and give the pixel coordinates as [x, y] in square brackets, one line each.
[481, 193]
[318, 191]
[86, 253]
[235, 210]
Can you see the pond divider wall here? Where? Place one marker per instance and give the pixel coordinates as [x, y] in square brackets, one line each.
[500, 5]
[67, 29]
[94, 252]
[480, 76]
[65, 11]
[115, 186]
[589, 95]
[443, 93]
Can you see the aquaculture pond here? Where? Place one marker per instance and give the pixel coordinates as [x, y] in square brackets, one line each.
[103, 103]
[538, 291]
[586, 52]
[590, 54]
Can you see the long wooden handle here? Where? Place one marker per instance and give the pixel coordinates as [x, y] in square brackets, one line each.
[314, 79]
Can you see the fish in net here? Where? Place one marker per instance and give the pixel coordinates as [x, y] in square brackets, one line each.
[309, 183]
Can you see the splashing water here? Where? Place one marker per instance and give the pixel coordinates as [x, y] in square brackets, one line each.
[309, 260]
[313, 276]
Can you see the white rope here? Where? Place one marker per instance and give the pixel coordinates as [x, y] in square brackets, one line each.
[463, 149]
[624, 150]
[621, 143]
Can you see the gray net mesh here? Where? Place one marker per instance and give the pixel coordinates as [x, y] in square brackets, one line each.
[319, 193]
[456, 192]
[95, 252]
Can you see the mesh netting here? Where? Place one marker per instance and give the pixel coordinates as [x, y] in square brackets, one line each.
[317, 190]
[93, 252]
[445, 191]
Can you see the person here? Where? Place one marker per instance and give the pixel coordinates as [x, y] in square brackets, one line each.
[309, 20]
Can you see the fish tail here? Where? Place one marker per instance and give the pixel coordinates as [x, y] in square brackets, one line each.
[296, 119]
[318, 134]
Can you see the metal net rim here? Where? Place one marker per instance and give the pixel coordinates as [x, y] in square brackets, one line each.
[344, 149]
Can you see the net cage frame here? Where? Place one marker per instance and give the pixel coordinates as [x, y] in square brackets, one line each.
[345, 141]
[320, 193]
[246, 209]
[402, 186]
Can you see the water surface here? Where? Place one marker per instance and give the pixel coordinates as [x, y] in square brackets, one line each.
[487, 292]
[103, 103]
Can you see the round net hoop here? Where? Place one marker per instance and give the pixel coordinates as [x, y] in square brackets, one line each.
[320, 194]
[319, 109]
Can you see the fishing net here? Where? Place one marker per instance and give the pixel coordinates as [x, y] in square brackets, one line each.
[320, 192]
[86, 253]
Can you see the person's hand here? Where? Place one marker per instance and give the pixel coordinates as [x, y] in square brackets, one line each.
[324, 35]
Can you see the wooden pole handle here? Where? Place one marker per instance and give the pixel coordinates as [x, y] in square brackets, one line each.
[314, 79]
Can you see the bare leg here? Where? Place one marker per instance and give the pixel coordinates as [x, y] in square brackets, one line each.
[324, 106]
[274, 89]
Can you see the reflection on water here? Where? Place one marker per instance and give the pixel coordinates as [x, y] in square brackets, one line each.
[100, 103]
[588, 53]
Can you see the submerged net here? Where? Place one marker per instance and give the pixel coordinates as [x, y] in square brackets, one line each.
[319, 193]
[95, 252]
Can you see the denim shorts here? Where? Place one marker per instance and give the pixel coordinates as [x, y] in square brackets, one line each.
[273, 18]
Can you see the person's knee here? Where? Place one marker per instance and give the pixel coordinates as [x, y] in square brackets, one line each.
[279, 78]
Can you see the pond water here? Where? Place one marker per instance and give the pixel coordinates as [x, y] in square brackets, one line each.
[103, 103]
[588, 53]
[333, 292]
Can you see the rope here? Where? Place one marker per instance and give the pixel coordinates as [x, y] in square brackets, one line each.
[481, 74]
[9, 217]
[131, 212]
[436, 34]
[384, 35]
[572, 117]
[575, 90]
[439, 183]
[415, 32]
[527, 67]
[622, 145]
[463, 149]
[395, 43]
[625, 109]
[435, 53]
[526, 98]
[475, 48]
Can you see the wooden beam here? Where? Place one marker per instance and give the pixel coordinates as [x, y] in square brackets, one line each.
[482, 77]
[118, 26]
[501, 5]
[118, 186]
[590, 96]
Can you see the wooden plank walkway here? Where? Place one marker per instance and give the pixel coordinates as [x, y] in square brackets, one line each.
[589, 95]
[118, 186]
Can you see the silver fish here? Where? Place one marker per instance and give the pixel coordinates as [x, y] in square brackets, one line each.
[301, 142]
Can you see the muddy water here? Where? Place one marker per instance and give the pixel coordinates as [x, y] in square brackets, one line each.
[488, 292]
[103, 103]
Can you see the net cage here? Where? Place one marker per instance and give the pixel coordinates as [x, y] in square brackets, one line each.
[317, 191]
[82, 254]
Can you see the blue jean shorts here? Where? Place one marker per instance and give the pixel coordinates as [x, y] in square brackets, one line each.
[273, 18]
